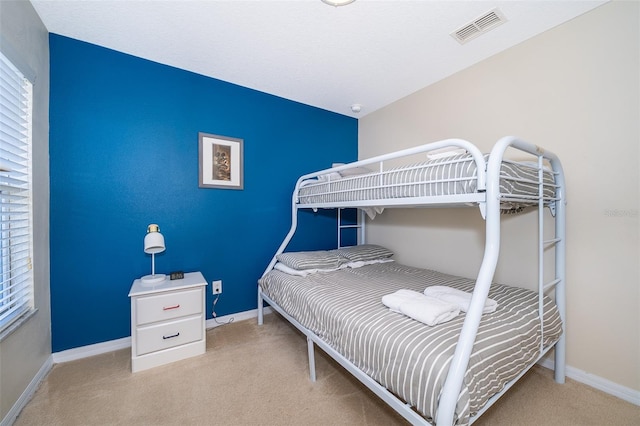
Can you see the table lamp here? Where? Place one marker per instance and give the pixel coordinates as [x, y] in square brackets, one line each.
[153, 243]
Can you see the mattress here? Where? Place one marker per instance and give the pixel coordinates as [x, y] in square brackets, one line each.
[407, 357]
[453, 175]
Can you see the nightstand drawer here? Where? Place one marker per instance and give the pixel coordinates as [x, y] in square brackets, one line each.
[168, 306]
[166, 335]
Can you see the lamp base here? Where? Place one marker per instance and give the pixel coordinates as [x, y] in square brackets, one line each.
[153, 279]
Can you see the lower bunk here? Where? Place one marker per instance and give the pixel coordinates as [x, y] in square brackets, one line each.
[339, 307]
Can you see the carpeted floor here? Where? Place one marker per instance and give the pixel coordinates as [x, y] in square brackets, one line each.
[253, 375]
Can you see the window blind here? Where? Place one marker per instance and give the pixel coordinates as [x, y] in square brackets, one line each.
[16, 276]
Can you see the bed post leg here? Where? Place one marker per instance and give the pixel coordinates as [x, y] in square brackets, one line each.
[559, 364]
[312, 360]
[260, 306]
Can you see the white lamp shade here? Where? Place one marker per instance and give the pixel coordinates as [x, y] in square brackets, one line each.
[154, 243]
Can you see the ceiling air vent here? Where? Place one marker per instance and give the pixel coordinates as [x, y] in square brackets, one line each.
[479, 26]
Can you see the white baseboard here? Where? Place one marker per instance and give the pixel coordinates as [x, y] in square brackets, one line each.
[596, 382]
[91, 350]
[125, 342]
[241, 316]
[11, 416]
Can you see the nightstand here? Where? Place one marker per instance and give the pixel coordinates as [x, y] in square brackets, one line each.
[167, 321]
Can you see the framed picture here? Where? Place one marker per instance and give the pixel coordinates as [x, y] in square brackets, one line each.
[221, 162]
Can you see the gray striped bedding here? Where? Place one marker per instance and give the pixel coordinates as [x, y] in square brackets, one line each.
[452, 175]
[411, 359]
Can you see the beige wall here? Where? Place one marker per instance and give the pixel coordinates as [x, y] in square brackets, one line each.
[574, 90]
[26, 350]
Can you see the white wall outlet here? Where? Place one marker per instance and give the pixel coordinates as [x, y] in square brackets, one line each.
[216, 287]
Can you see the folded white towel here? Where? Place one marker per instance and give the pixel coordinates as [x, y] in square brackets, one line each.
[460, 298]
[427, 310]
[430, 310]
[394, 300]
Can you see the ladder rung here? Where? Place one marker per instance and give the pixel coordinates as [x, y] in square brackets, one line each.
[551, 284]
[554, 241]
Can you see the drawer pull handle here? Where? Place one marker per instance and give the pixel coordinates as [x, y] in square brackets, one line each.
[171, 337]
[171, 307]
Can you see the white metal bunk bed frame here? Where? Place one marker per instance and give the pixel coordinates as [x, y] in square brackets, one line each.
[488, 198]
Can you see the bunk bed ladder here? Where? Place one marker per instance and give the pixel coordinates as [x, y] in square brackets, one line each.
[541, 248]
[557, 243]
[358, 226]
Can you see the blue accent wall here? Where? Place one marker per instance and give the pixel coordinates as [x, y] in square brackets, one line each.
[124, 154]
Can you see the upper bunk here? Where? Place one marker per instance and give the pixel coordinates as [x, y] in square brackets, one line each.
[451, 172]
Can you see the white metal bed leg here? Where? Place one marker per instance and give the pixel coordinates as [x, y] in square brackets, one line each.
[559, 358]
[260, 306]
[312, 360]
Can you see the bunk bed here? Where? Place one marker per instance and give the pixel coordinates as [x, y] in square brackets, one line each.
[448, 372]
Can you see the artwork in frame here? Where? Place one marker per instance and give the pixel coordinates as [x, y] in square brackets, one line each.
[220, 162]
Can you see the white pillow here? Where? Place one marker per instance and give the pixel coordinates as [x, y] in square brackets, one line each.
[329, 177]
[354, 171]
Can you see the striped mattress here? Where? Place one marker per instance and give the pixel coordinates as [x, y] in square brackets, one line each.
[407, 357]
[454, 175]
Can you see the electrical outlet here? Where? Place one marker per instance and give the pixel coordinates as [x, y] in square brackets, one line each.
[216, 287]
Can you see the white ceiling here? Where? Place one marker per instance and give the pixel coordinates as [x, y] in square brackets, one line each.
[369, 52]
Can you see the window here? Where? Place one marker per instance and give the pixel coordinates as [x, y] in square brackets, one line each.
[16, 276]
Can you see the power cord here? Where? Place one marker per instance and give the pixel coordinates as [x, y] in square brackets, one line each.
[214, 315]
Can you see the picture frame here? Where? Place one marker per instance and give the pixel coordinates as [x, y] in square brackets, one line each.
[221, 160]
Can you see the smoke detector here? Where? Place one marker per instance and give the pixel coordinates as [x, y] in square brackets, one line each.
[479, 26]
